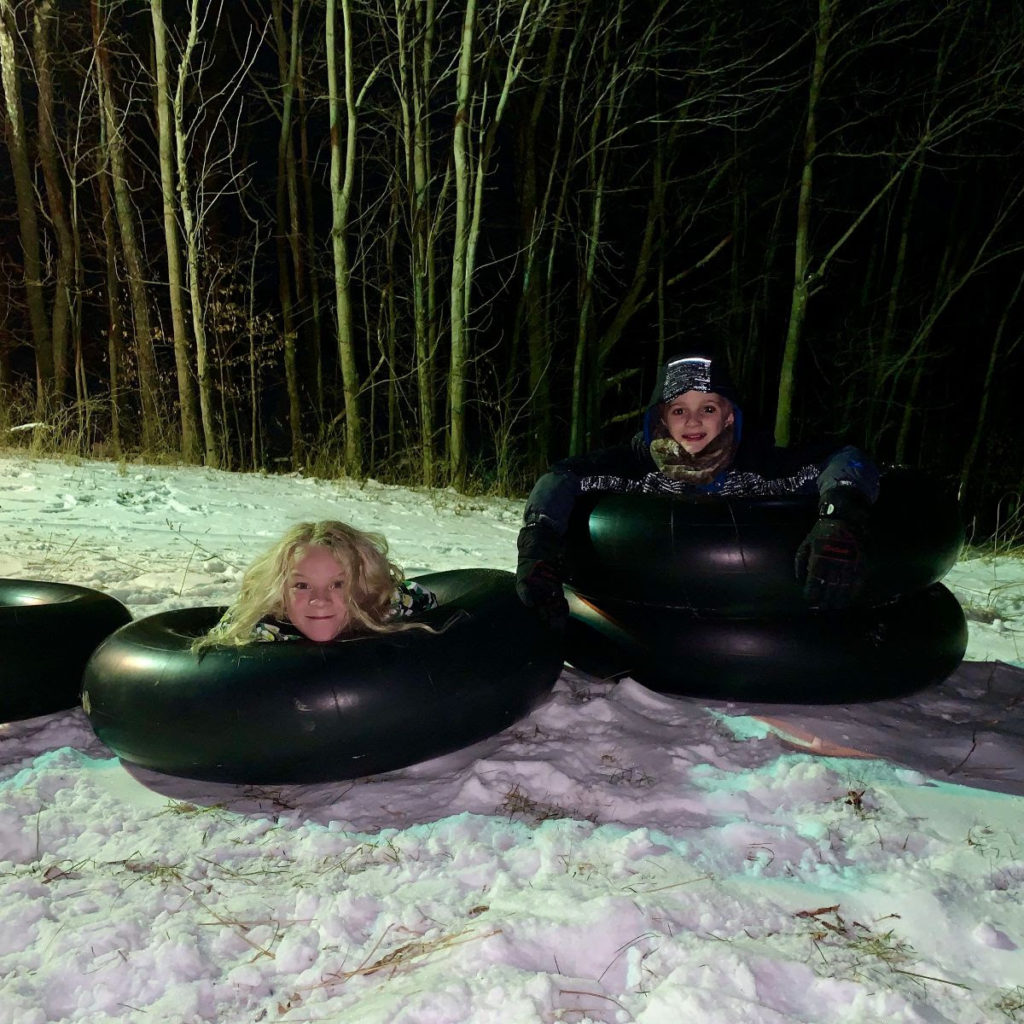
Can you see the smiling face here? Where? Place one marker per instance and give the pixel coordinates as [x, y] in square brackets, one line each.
[315, 590]
[695, 418]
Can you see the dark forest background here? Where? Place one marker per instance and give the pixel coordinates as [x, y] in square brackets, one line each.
[445, 243]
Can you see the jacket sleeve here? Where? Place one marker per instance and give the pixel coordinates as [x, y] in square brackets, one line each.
[811, 467]
[552, 499]
[411, 598]
[554, 495]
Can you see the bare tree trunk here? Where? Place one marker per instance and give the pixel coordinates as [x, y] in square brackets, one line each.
[343, 166]
[315, 299]
[192, 249]
[909, 408]
[256, 435]
[584, 375]
[285, 169]
[28, 225]
[533, 227]
[634, 299]
[65, 265]
[471, 172]
[425, 245]
[798, 301]
[387, 326]
[294, 232]
[881, 358]
[517, 48]
[148, 379]
[414, 62]
[81, 380]
[951, 282]
[116, 329]
[458, 366]
[175, 278]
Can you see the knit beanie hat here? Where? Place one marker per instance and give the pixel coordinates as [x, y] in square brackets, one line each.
[693, 373]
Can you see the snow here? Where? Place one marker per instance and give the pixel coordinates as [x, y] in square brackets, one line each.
[619, 855]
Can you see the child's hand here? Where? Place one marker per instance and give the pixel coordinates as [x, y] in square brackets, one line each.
[538, 574]
[830, 564]
[539, 586]
[830, 560]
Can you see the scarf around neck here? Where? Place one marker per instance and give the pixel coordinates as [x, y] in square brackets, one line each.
[700, 468]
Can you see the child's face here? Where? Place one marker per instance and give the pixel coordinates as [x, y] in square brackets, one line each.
[314, 596]
[695, 418]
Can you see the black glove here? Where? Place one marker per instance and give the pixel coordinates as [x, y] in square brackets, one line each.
[830, 560]
[539, 574]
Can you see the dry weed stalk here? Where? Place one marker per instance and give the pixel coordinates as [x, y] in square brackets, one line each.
[404, 955]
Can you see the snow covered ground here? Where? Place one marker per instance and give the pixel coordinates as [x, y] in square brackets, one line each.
[617, 856]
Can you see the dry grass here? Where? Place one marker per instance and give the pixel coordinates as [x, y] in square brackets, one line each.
[517, 803]
[403, 957]
[1010, 1003]
[853, 951]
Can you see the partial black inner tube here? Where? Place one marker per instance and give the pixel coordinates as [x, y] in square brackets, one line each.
[47, 633]
[301, 712]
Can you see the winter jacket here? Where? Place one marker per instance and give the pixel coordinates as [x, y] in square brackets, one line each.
[759, 468]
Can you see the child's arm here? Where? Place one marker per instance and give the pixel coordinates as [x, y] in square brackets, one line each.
[411, 598]
[539, 567]
[262, 632]
[850, 468]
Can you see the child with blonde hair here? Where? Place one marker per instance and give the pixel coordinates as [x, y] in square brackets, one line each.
[320, 581]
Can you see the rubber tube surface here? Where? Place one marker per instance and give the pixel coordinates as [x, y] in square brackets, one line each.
[47, 632]
[817, 658]
[299, 711]
[734, 556]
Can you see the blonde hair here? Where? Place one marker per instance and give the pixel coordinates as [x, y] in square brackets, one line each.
[370, 582]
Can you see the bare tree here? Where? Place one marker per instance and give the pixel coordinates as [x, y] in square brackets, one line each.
[28, 224]
[131, 249]
[478, 115]
[116, 329]
[457, 458]
[952, 112]
[176, 285]
[415, 51]
[343, 166]
[286, 209]
[64, 282]
[192, 226]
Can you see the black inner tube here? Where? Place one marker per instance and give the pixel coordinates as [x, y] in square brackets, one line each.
[300, 711]
[817, 658]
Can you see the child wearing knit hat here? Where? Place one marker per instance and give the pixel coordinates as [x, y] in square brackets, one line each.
[692, 443]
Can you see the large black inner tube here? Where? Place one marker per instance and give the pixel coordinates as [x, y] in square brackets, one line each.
[817, 658]
[47, 632]
[299, 712]
[734, 556]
